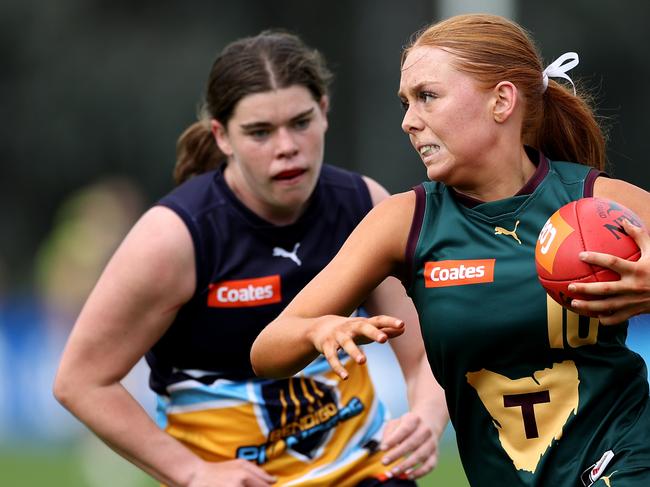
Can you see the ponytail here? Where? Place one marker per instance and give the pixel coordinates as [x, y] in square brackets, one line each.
[196, 152]
[568, 129]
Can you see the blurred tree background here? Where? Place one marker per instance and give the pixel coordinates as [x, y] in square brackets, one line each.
[94, 93]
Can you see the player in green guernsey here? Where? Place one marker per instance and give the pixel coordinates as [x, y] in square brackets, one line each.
[538, 395]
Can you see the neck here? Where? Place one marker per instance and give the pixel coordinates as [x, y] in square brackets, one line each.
[507, 174]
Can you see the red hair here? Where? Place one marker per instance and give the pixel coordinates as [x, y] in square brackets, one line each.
[492, 49]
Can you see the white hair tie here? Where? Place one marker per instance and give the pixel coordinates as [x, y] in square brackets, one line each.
[559, 68]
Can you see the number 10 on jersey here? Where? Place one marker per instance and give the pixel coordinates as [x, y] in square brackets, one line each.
[564, 323]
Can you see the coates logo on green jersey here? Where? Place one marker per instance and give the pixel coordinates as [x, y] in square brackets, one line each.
[458, 272]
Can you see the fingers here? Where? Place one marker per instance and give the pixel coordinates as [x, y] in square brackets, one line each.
[259, 476]
[606, 288]
[395, 433]
[634, 276]
[347, 333]
[385, 326]
[237, 472]
[639, 234]
[411, 439]
[424, 468]
[608, 261]
[419, 462]
[331, 353]
[617, 264]
[611, 311]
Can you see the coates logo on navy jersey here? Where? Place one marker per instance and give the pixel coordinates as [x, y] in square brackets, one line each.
[458, 272]
[256, 291]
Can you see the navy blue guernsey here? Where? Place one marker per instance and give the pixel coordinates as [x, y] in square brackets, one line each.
[248, 270]
[312, 429]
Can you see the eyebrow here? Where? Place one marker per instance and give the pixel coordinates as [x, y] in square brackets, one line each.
[416, 88]
[261, 125]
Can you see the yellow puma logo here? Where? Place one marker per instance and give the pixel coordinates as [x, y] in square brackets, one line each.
[606, 479]
[512, 233]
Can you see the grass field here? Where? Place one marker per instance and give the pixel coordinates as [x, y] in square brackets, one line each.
[90, 464]
[449, 472]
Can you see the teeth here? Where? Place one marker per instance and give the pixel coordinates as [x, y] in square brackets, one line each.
[427, 149]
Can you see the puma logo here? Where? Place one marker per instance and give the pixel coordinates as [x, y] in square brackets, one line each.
[606, 479]
[293, 255]
[512, 233]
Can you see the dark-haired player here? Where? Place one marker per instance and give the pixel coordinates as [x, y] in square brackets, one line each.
[255, 217]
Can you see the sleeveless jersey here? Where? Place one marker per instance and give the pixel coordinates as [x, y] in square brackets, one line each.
[311, 429]
[537, 395]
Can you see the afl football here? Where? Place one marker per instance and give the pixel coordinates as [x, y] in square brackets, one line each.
[592, 224]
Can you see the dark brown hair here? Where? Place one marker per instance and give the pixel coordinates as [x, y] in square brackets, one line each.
[268, 61]
[493, 49]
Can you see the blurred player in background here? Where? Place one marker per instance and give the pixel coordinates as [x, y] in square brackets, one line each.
[255, 217]
[538, 395]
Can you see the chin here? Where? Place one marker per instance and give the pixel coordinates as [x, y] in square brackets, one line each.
[433, 175]
[438, 172]
[295, 198]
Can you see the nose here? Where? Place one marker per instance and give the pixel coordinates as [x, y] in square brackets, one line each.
[286, 143]
[411, 123]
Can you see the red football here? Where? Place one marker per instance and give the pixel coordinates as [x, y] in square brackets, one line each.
[586, 224]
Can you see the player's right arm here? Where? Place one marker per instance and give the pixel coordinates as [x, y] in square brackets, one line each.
[317, 320]
[134, 302]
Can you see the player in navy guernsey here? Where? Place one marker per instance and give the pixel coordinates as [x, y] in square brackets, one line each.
[255, 217]
[539, 395]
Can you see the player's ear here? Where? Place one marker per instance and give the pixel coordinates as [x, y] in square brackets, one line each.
[504, 101]
[324, 105]
[221, 137]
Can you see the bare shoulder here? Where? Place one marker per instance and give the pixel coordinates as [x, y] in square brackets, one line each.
[158, 250]
[377, 192]
[163, 226]
[390, 222]
[396, 209]
[617, 188]
[400, 204]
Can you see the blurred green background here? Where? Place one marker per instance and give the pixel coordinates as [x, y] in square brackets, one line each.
[67, 467]
[93, 96]
[91, 464]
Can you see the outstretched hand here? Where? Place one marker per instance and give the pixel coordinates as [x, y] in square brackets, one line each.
[411, 438]
[333, 333]
[622, 299]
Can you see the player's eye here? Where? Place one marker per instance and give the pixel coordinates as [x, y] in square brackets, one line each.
[302, 123]
[427, 96]
[259, 134]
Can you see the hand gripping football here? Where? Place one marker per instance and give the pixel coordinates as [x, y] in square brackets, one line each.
[586, 224]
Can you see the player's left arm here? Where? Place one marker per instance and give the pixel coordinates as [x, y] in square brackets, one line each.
[415, 435]
[630, 295]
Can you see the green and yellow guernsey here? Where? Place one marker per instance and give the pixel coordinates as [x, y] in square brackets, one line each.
[538, 396]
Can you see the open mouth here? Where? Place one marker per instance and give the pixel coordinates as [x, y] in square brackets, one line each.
[427, 150]
[289, 174]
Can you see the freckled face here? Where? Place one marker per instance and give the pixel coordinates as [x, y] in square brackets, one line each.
[274, 142]
[448, 116]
